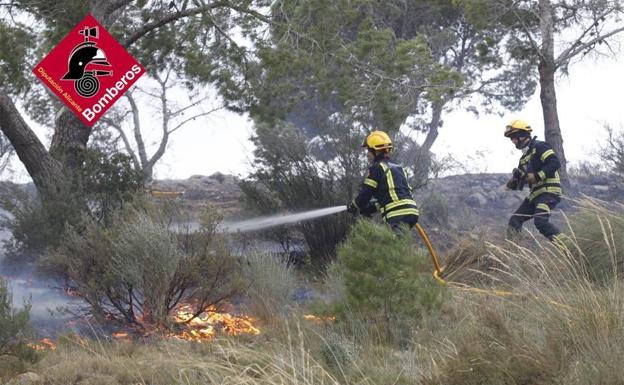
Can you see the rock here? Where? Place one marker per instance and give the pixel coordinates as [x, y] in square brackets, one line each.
[28, 378]
[476, 200]
[512, 201]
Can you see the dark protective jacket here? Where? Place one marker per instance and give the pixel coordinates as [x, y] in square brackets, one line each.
[541, 160]
[387, 182]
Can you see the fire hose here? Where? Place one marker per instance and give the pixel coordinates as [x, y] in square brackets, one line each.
[438, 272]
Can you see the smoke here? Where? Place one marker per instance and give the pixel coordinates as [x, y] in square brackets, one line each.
[49, 302]
[42, 294]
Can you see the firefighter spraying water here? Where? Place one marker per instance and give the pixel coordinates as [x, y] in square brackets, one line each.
[385, 189]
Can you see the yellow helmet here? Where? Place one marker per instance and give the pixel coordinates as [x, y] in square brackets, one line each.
[517, 126]
[378, 140]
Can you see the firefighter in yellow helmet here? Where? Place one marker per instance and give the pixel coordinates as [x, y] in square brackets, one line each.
[538, 167]
[387, 182]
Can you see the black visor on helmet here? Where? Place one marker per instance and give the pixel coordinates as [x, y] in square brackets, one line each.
[520, 134]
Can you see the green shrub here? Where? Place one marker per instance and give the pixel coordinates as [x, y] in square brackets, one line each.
[386, 278]
[140, 269]
[104, 184]
[291, 176]
[15, 332]
[32, 230]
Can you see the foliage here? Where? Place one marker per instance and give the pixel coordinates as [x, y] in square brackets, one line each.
[194, 40]
[139, 269]
[544, 323]
[382, 65]
[327, 58]
[386, 279]
[493, 350]
[549, 35]
[15, 329]
[181, 363]
[289, 177]
[108, 181]
[31, 229]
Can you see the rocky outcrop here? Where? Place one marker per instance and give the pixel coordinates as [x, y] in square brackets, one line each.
[466, 194]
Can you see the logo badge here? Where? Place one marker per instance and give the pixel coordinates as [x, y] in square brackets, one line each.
[89, 70]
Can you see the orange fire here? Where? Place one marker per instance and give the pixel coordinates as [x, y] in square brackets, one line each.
[315, 318]
[210, 322]
[121, 335]
[44, 344]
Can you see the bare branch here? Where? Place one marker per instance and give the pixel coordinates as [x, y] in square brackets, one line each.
[186, 13]
[147, 167]
[577, 48]
[183, 109]
[125, 140]
[195, 117]
[138, 137]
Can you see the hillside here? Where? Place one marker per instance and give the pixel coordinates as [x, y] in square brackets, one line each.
[462, 205]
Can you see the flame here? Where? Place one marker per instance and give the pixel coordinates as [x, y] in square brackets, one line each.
[121, 335]
[44, 344]
[315, 318]
[205, 326]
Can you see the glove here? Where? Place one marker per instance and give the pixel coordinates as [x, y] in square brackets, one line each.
[352, 208]
[531, 179]
[512, 184]
[518, 174]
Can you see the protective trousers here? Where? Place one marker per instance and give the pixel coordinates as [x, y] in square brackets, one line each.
[402, 223]
[538, 208]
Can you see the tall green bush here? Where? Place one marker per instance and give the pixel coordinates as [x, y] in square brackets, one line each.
[139, 270]
[14, 326]
[106, 183]
[387, 279]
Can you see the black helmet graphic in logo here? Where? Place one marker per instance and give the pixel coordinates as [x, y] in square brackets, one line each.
[87, 54]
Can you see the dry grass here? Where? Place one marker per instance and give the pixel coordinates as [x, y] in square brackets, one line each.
[553, 324]
[550, 322]
[228, 361]
[271, 285]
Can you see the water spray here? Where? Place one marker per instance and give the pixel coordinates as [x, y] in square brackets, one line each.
[276, 220]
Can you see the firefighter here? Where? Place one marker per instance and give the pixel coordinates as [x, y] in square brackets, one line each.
[387, 183]
[538, 167]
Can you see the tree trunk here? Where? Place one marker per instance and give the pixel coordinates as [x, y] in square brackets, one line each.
[423, 161]
[69, 140]
[548, 97]
[432, 134]
[46, 172]
[552, 131]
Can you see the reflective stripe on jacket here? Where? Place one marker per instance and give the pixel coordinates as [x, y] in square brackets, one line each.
[388, 183]
[541, 160]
